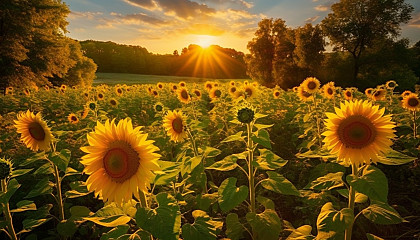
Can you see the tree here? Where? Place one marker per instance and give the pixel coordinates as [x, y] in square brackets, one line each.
[283, 56]
[354, 25]
[34, 48]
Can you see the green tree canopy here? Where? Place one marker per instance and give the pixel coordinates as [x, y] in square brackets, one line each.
[355, 25]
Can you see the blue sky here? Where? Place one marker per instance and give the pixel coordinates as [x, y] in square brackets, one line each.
[163, 26]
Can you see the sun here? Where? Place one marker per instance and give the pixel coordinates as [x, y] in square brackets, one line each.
[205, 41]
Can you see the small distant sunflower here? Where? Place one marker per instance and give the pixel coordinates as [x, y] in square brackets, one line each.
[304, 95]
[155, 93]
[26, 92]
[348, 94]
[255, 84]
[174, 88]
[379, 95]
[158, 107]
[183, 95]
[411, 102]
[119, 91]
[182, 84]
[86, 95]
[6, 168]
[174, 124]
[73, 118]
[381, 86]
[208, 86]
[85, 112]
[35, 132]
[238, 95]
[113, 102]
[92, 105]
[276, 93]
[159, 85]
[74, 87]
[100, 96]
[391, 84]
[197, 93]
[46, 88]
[246, 82]
[232, 90]
[63, 86]
[369, 92]
[311, 85]
[329, 90]
[295, 89]
[358, 132]
[406, 93]
[232, 83]
[215, 93]
[216, 84]
[120, 161]
[250, 91]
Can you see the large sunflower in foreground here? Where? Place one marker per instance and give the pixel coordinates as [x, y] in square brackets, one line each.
[174, 124]
[35, 132]
[358, 132]
[119, 160]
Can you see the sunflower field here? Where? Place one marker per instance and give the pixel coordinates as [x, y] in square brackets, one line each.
[219, 160]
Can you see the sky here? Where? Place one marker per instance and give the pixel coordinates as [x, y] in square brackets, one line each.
[162, 26]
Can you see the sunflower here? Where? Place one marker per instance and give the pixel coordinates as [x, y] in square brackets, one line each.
[84, 113]
[245, 113]
[276, 93]
[6, 168]
[183, 95]
[35, 132]
[295, 89]
[232, 90]
[92, 105]
[304, 95]
[174, 124]
[159, 85]
[329, 90]
[100, 96]
[232, 83]
[406, 93]
[118, 91]
[391, 84]
[215, 93]
[174, 88]
[208, 86]
[158, 107]
[155, 93]
[379, 95]
[255, 84]
[182, 84]
[73, 118]
[369, 92]
[46, 88]
[246, 82]
[348, 94]
[113, 102]
[26, 92]
[250, 91]
[197, 94]
[86, 95]
[311, 85]
[63, 86]
[411, 102]
[119, 160]
[358, 132]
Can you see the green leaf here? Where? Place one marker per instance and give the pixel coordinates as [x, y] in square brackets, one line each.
[66, 228]
[211, 152]
[301, 233]
[44, 186]
[267, 160]
[169, 172]
[236, 137]
[78, 212]
[266, 202]
[262, 138]
[226, 164]
[109, 221]
[262, 126]
[33, 158]
[231, 196]
[115, 233]
[44, 169]
[24, 205]
[60, 159]
[382, 213]
[202, 228]
[162, 222]
[327, 182]
[12, 186]
[266, 225]
[393, 157]
[372, 183]
[373, 237]
[259, 115]
[234, 228]
[359, 197]
[20, 172]
[317, 153]
[279, 184]
[29, 224]
[205, 200]
[79, 189]
[323, 169]
[331, 220]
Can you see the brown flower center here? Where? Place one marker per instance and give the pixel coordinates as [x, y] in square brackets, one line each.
[73, 118]
[248, 92]
[348, 94]
[177, 125]
[233, 89]
[277, 94]
[356, 132]
[311, 85]
[413, 102]
[217, 93]
[36, 131]
[184, 94]
[329, 91]
[121, 161]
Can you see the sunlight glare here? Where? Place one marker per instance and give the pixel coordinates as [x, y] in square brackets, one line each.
[205, 41]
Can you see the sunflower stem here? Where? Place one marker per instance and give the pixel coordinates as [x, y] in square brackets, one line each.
[414, 125]
[6, 212]
[59, 194]
[251, 176]
[352, 196]
[143, 201]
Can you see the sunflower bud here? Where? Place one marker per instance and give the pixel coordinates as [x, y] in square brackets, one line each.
[245, 115]
[5, 168]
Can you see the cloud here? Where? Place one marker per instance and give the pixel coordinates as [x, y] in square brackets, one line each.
[232, 3]
[139, 18]
[322, 8]
[146, 4]
[204, 29]
[88, 15]
[415, 21]
[312, 19]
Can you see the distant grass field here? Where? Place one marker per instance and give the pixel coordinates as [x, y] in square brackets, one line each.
[130, 79]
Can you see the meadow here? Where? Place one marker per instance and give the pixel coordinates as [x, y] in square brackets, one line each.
[151, 157]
